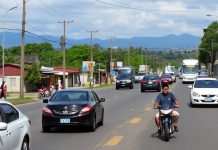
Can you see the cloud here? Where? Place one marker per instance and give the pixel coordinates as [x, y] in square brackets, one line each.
[153, 18]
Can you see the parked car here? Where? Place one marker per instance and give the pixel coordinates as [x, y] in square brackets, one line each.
[139, 76]
[15, 131]
[151, 82]
[204, 91]
[166, 79]
[124, 80]
[70, 107]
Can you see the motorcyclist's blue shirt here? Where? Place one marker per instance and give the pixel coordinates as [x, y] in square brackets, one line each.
[166, 101]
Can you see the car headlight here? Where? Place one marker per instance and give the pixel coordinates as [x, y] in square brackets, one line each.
[195, 94]
[128, 81]
[216, 95]
[118, 81]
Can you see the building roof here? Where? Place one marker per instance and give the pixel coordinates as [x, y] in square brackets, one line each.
[29, 59]
[67, 70]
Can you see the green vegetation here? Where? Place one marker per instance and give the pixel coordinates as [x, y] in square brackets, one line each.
[209, 43]
[17, 101]
[50, 57]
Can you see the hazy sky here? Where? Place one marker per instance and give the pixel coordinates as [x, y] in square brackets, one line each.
[117, 18]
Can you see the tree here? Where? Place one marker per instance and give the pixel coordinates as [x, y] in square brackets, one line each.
[209, 45]
[33, 74]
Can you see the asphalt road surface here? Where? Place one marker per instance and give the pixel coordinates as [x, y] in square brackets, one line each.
[129, 125]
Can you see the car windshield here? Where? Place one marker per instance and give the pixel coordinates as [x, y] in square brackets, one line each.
[70, 96]
[150, 77]
[140, 74]
[124, 71]
[123, 77]
[206, 84]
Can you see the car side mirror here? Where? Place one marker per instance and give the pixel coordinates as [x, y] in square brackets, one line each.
[102, 100]
[45, 100]
[190, 86]
[3, 126]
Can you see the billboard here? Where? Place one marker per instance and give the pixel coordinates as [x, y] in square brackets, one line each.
[87, 66]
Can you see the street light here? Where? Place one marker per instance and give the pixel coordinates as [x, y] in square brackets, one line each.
[3, 43]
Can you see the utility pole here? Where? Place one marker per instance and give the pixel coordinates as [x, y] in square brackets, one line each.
[91, 55]
[63, 46]
[22, 51]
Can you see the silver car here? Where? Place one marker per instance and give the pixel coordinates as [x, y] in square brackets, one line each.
[139, 76]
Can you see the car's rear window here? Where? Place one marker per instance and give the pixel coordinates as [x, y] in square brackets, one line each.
[70, 96]
[141, 74]
[150, 77]
[165, 76]
[206, 84]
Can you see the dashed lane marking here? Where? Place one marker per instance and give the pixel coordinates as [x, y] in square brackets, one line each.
[135, 120]
[114, 141]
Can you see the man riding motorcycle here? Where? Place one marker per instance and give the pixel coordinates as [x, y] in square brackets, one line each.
[166, 100]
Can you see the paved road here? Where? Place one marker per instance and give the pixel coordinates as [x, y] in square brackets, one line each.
[129, 125]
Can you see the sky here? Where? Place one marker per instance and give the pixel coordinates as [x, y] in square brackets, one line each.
[111, 18]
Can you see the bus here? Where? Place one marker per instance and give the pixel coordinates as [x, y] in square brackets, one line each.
[189, 70]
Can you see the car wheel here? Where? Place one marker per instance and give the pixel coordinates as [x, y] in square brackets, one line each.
[46, 129]
[101, 123]
[142, 90]
[117, 87]
[25, 144]
[93, 125]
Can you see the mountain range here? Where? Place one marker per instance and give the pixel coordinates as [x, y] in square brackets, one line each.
[182, 41]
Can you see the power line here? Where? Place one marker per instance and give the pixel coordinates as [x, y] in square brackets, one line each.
[53, 14]
[127, 6]
[37, 36]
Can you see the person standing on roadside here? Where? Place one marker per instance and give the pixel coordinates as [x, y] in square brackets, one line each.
[2, 90]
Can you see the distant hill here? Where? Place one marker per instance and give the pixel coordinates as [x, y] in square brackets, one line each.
[165, 42]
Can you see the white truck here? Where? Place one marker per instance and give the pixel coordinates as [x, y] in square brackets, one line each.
[189, 70]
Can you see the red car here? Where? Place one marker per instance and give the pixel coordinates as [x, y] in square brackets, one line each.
[166, 79]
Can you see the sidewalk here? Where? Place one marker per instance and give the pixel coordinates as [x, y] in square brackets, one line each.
[34, 95]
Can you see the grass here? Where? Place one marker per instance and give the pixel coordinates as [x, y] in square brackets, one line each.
[17, 101]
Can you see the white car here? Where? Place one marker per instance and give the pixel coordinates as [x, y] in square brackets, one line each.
[14, 128]
[139, 76]
[204, 91]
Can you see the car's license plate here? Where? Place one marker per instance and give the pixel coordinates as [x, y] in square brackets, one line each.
[64, 120]
[208, 99]
[149, 82]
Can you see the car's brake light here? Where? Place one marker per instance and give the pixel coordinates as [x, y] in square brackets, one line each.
[86, 109]
[46, 110]
[157, 81]
[143, 81]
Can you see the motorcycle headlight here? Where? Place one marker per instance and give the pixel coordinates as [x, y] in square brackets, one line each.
[195, 94]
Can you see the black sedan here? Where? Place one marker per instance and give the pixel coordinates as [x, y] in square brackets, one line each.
[73, 107]
[151, 82]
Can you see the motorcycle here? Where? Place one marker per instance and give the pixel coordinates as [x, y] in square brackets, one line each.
[166, 123]
[42, 93]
